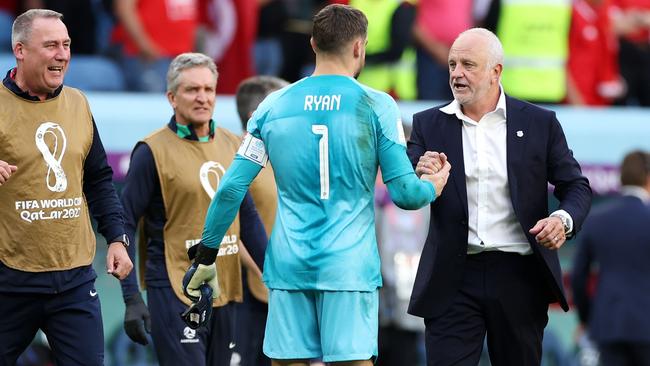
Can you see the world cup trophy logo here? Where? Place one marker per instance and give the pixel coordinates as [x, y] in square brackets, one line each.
[51, 141]
[211, 172]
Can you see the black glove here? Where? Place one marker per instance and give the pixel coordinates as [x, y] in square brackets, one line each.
[137, 319]
[199, 313]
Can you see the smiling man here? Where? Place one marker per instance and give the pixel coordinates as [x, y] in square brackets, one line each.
[173, 175]
[53, 176]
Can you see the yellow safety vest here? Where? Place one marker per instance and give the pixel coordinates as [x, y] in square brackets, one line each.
[399, 77]
[535, 38]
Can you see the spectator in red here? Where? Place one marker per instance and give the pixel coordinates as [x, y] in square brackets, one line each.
[593, 74]
[437, 24]
[230, 36]
[631, 21]
[152, 33]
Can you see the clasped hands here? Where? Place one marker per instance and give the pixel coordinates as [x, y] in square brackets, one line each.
[434, 167]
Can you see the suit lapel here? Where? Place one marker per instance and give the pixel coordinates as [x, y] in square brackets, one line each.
[453, 141]
[516, 137]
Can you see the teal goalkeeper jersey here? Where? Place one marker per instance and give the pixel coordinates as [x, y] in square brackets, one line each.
[324, 136]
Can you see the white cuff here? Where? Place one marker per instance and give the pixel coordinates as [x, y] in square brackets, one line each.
[567, 217]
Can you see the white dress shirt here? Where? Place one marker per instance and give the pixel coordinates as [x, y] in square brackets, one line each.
[492, 221]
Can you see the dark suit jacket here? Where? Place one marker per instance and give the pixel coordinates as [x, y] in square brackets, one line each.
[539, 156]
[616, 236]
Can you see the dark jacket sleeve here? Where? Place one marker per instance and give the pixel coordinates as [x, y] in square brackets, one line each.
[252, 230]
[100, 192]
[137, 193]
[571, 186]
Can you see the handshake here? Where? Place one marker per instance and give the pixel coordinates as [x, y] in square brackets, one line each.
[434, 167]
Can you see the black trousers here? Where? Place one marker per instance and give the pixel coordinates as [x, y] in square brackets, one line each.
[503, 295]
[177, 344]
[634, 60]
[625, 354]
[71, 320]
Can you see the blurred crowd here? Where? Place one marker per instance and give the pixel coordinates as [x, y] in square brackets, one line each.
[580, 52]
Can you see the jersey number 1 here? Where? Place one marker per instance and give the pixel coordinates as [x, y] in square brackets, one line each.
[323, 156]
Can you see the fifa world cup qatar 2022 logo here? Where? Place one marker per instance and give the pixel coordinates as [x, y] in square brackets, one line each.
[51, 142]
[210, 174]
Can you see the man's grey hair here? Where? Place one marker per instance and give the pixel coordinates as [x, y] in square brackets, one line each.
[21, 30]
[495, 49]
[186, 61]
[252, 91]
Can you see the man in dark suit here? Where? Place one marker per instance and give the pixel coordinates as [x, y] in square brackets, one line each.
[489, 264]
[617, 239]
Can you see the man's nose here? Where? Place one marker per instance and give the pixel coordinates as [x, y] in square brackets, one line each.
[202, 96]
[62, 53]
[457, 72]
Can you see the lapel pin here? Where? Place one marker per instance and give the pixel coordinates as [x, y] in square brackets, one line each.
[520, 133]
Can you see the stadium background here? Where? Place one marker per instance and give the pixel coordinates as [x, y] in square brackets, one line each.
[599, 137]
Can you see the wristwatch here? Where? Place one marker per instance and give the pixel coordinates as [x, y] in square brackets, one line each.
[565, 223]
[124, 239]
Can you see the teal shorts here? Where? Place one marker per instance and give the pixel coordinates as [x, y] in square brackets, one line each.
[331, 325]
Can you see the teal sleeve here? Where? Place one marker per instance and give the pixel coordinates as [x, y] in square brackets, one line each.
[393, 160]
[406, 190]
[410, 193]
[226, 201]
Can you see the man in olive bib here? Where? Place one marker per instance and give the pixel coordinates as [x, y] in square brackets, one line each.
[173, 175]
[54, 175]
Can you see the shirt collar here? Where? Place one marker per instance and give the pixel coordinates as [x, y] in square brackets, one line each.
[454, 106]
[10, 83]
[636, 191]
[187, 132]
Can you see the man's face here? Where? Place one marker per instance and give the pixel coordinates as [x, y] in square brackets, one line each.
[193, 101]
[470, 78]
[44, 56]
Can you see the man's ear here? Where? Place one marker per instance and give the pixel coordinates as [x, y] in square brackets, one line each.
[357, 48]
[313, 44]
[172, 99]
[19, 51]
[496, 72]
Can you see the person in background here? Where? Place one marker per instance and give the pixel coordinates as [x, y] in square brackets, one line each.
[268, 52]
[231, 27]
[437, 24]
[614, 246]
[174, 173]
[535, 38]
[631, 23]
[592, 68]
[252, 313]
[151, 33]
[390, 58]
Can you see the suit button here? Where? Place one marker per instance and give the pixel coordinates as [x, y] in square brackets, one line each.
[463, 222]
